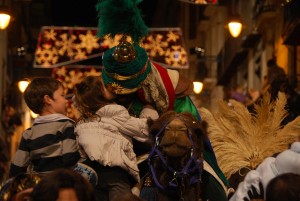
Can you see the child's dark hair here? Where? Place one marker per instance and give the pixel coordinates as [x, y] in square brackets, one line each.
[37, 89]
[89, 96]
[50, 185]
[285, 187]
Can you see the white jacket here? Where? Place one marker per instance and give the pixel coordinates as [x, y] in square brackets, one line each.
[109, 140]
[287, 161]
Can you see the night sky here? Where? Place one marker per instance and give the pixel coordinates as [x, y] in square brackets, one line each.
[83, 13]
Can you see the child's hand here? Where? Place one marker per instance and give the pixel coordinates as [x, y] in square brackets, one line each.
[149, 112]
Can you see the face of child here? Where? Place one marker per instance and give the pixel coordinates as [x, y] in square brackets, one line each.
[58, 102]
[107, 94]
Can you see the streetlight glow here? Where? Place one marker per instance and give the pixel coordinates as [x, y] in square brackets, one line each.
[4, 20]
[198, 86]
[23, 85]
[235, 28]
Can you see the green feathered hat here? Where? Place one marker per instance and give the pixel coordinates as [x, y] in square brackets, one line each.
[126, 65]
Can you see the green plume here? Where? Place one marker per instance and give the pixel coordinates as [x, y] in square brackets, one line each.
[120, 17]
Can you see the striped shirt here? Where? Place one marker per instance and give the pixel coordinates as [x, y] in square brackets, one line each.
[49, 144]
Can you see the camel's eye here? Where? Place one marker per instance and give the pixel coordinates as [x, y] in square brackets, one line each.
[176, 125]
[169, 128]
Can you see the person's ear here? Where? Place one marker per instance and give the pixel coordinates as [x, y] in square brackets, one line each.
[47, 99]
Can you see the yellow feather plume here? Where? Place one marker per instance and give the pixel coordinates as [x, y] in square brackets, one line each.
[243, 139]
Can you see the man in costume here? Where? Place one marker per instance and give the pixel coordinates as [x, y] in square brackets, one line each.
[128, 72]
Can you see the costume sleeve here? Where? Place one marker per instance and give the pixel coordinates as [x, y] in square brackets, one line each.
[21, 160]
[136, 128]
[252, 179]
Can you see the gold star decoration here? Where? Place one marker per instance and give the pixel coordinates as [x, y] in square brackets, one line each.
[74, 78]
[50, 35]
[80, 55]
[46, 55]
[176, 56]
[155, 45]
[61, 72]
[69, 43]
[66, 44]
[89, 41]
[171, 36]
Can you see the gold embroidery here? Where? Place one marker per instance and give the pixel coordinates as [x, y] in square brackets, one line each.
[122, 77]
[118, 89]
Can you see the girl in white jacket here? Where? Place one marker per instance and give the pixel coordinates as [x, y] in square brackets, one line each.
[105, 131]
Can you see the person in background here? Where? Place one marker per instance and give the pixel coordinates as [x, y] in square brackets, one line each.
[283, 84]
[285, 187]
[50, 143]
[277, 81]
[105, 131]
[238, 94]
[63, 185]
[273, 72]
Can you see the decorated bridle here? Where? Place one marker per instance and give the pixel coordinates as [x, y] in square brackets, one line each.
[192, 168]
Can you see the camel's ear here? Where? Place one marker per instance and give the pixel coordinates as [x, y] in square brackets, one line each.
[154, 127]
[204, 125]
[201, 135]
[154, 131]
[201, 131]
[150, 122]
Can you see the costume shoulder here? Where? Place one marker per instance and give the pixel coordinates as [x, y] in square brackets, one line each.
[182, 86]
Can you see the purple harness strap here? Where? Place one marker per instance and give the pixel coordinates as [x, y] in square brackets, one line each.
[192, 166]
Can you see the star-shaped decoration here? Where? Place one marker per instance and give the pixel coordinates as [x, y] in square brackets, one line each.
[66, 44]
[80, 54]
[176, 56]
[47, 55]
[50, 35]
[89, 41]
[155, 45]
[61, 71]
[171, 36]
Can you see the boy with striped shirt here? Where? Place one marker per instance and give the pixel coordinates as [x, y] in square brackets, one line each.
[50, 143]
